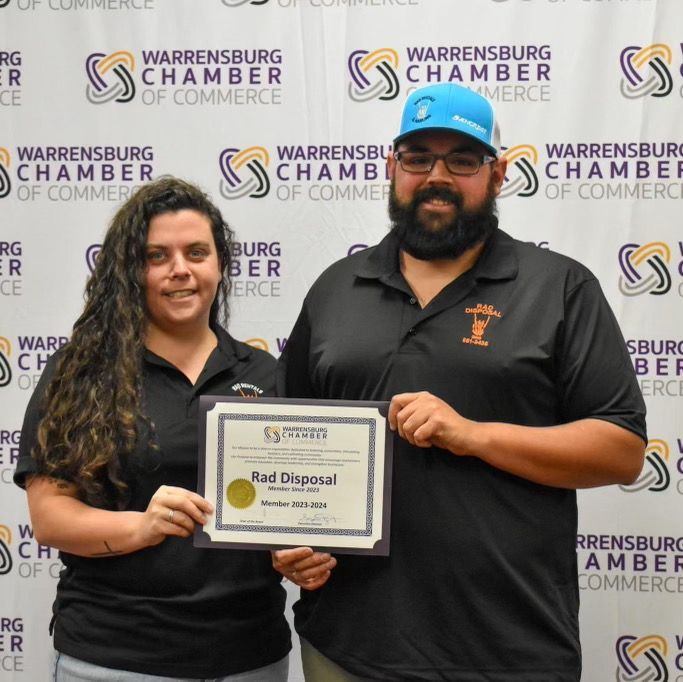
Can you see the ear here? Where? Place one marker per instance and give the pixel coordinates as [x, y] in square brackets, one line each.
[391, 164]
[498, 170]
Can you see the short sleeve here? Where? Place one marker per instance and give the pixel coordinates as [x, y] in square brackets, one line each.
[35, 411]
[596, 378]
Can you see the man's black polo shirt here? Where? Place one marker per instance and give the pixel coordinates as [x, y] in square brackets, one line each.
[481, 583]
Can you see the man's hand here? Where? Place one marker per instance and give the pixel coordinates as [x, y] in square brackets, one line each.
[425, 421]
[580, 454]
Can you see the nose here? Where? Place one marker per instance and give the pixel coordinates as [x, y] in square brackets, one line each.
[440, 174]
[179, 266]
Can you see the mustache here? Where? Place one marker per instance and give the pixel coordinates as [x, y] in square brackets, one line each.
[441, 193]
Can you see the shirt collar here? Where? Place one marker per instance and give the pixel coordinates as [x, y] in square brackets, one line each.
[227, 353]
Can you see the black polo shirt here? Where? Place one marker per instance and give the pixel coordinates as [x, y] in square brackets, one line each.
[481, 584]
[173, 609]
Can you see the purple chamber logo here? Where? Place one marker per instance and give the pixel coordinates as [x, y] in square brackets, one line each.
[5, 369]
[5, 184]
[244, 172]
[521, 179]
[237, 3]
[5, 556]
[655, 474]
[373, 74]
[91, 254]
[645, 269]
[271, 434]
[110, 77]
[641, 659]
[646, 71]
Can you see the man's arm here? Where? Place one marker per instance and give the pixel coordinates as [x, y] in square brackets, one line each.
[581, 454]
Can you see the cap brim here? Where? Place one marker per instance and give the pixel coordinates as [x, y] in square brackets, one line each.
[447, 129]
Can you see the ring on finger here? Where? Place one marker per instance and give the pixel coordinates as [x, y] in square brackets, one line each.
[171, 513]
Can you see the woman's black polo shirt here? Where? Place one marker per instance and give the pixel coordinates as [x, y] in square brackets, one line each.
[173, 610]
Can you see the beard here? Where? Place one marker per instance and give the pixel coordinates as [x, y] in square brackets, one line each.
[441, 241]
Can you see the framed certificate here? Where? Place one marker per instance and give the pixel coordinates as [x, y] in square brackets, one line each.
[289, 472]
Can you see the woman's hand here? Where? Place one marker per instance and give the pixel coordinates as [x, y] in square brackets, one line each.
[304, 567]
[172, 511]
[61, 520]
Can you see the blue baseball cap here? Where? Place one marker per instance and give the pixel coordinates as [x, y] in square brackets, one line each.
[447, 106]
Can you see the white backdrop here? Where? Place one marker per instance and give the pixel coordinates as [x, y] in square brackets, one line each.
[283, 110]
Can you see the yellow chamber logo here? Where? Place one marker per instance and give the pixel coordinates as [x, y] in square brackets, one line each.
[259, 343]
[110, 77]
[642, 658]
[244, 172]
[271, 434]
[645, 269]
[645, 71]
[373, 76]
[5, 183]
[5, 556]
[5, 369]
[482, 314]
[655, 474]
[521, 179]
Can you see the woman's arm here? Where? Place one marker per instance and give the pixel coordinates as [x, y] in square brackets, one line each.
[61, 520]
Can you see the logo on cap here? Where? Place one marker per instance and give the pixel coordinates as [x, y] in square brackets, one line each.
[423, 105]
[471, 124]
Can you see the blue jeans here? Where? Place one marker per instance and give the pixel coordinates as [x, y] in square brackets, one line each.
[69, 669]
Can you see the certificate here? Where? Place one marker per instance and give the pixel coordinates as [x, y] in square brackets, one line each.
[289, 472]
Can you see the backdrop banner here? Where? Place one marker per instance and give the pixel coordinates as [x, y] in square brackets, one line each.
[284, 112]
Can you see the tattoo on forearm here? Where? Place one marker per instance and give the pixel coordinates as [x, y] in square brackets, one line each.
[109, 552]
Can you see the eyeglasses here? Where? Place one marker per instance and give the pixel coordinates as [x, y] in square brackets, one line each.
[458, 163]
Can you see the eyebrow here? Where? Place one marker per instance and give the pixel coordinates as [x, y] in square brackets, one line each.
[189, 246]
[417, 147]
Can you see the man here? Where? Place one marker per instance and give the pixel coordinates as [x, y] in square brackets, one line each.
[510, 387]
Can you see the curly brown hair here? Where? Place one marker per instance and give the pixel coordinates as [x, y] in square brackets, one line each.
[93, 405]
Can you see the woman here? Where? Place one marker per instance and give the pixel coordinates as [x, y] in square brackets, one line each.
[108, 458]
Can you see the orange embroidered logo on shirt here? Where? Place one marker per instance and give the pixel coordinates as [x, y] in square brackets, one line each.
[481, 316]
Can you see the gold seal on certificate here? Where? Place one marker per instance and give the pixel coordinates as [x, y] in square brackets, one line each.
[240, 493]
[285, 473]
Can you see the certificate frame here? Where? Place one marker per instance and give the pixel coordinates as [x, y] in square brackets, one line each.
[217, 464]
